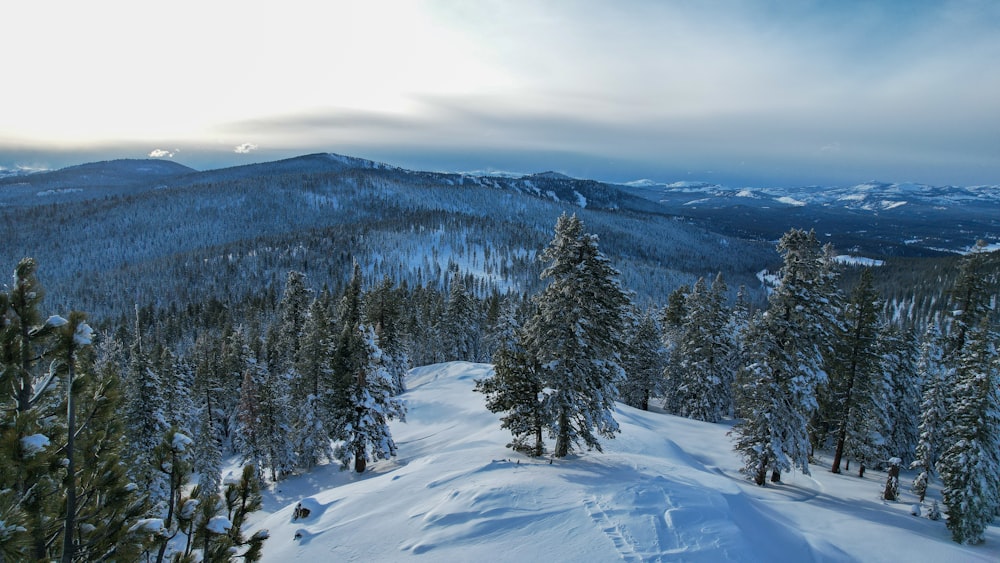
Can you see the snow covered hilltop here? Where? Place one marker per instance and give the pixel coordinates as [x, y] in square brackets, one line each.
[667, 489]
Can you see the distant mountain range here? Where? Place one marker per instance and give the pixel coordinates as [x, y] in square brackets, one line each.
[111, 234]
[876, 218]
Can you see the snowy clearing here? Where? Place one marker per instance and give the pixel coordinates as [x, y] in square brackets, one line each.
[667, 489]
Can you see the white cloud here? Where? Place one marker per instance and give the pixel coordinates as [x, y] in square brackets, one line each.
[244, 148]
[830, 148]
[162, 153]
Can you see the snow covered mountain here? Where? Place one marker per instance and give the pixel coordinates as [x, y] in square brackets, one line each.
[666, 489]
[903, 219]
[870, 196]
[87, 181]
[150, 230]
[874, 218]
[135, 228]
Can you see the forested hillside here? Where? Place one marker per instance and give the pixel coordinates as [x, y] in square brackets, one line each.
[268, 315]
[231, 233]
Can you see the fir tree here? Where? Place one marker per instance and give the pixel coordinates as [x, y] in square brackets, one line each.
[700, 377]
[785, 352]
[362, 400]
[209, 435]
[179, 408]
[643, 363]
[366, 435]
[671, 325]
[970, 465]
[515, 389]
[459, 326]
[899, 363]
[207, 454]
[292, 312]
[503, 333]
[382, 310]
[573, 337]
[857, 405]
[932, 412]
[312, 438]
[146, 417]
[249, 440]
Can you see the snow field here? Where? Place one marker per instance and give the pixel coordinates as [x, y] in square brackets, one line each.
[666, 489]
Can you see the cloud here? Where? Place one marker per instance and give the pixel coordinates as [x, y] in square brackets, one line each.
[162, 153]
[831, 148]
[244, 148]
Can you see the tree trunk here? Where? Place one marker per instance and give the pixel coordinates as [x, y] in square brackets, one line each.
[861, 469]
[845, 415]
[360, 460]
[562, 439]
[776, 476]
[70, 523]
[838, 454]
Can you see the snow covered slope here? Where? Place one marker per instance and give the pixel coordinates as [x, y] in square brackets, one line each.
[665, 490]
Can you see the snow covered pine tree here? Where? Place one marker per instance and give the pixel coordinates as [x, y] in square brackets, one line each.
[777, 387]
[574, 337]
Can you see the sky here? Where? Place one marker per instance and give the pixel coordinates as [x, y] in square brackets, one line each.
[751, 92]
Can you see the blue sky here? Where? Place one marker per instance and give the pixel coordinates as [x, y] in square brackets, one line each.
[737, 92]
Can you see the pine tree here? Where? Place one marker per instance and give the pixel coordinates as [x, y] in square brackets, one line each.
[515, 389]
[932, 412]
[312, 438]
[459, 326]
[857, 394]
[785, 351]
[249, 440]
[574, 337]
[382, 310]
[969, 464]
[24, 336]
[899, 363]
[146, 417]
[242, 497]
[643, 363]
[366, 435]
[700, 377]
[63, 492]
[292, 312]
[29, 488]
[172, 458]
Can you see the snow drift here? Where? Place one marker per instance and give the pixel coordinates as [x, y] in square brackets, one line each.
[667, 489]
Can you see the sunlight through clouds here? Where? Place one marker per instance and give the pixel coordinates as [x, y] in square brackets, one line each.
[670, 85]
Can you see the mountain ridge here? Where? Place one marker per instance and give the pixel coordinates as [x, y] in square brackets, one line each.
[875, 218]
